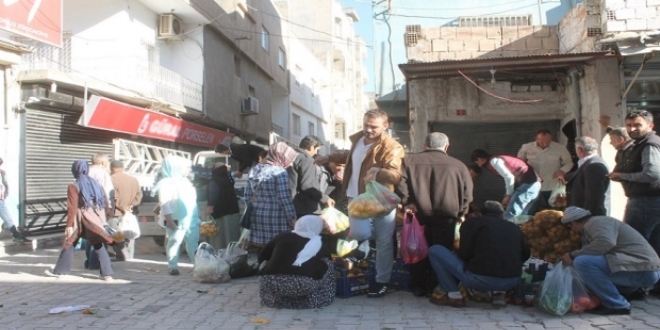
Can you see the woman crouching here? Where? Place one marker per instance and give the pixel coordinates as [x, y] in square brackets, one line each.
[298, 273]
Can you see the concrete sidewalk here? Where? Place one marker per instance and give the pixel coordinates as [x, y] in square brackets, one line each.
[146, 297]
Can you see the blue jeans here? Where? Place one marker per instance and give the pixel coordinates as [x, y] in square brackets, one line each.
[522, 200]
[175, 238]
[5, 215]
[643, 214]
[92, 261]
[382, 230]
[450, 270]
[596, 274]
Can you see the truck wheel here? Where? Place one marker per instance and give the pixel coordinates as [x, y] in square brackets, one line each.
[159, 240]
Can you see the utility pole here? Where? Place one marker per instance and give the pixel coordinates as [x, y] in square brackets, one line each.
[538, 2]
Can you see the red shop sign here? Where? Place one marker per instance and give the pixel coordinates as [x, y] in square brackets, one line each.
[37, 19]
[106, 114]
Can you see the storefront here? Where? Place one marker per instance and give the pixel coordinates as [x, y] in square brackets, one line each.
[55, 135]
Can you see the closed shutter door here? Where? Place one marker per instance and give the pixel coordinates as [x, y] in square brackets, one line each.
[497, 139]
[53, 141]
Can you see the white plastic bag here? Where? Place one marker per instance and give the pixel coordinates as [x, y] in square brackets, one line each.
[335, 221]
[232, 251]
[128, 224]
[209, 268]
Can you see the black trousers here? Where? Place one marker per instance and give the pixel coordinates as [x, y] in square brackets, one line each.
[438, 231]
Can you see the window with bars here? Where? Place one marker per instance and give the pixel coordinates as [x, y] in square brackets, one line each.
[487, 21]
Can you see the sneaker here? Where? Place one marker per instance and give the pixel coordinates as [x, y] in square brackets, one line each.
[446, 301]
[174, 272]
[377, 290]
[107, 278]
[21, 240]
[49, 272]
[499, 299]
[602, 310]
[638, 294]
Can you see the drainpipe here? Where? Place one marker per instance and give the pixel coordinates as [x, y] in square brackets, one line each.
[575, 79]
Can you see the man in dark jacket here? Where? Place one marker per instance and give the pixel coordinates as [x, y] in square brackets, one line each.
[638, 170]
[222, 205]
[588, 187]
[304, 181]
[245, 154]
[490, 258]
[438, 189]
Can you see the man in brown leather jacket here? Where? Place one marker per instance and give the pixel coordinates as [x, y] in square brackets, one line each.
[374, 156]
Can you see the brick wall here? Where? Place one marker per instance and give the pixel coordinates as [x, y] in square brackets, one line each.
[574, 29]
[450, 43]
[630, 15]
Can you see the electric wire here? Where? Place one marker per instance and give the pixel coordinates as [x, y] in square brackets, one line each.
[496, 96]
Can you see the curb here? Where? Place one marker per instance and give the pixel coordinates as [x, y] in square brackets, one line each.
[9, 247]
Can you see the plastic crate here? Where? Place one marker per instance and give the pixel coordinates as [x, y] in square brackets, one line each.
[525, 292]
[349, 286]
[400, 279]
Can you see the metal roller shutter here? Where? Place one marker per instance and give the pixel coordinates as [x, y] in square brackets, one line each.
[496, 138]
[53, 141]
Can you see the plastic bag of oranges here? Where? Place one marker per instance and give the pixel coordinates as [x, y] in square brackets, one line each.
[208, 227]
[335, 221]
[375, 202]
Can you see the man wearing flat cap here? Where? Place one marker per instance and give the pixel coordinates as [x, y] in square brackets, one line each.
[614, 259]
[126, 196]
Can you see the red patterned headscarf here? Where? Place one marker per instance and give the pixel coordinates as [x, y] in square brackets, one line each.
[280, 154]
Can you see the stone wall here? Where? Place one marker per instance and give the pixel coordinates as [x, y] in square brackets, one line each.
[455, 43]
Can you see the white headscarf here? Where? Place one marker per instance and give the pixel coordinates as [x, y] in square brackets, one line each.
[309, 226]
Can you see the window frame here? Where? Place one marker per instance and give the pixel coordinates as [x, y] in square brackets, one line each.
[265, 38]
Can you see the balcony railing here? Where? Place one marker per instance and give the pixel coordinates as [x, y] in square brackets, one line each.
[132, 73]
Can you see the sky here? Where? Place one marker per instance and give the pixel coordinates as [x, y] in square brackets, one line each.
[365, 29]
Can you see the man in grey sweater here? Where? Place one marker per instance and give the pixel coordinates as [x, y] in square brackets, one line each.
[614, 259]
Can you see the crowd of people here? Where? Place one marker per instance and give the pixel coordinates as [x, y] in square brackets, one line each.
[288, 187]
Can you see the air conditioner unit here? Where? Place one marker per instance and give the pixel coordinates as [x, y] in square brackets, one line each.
[169, 26]
[250, 105]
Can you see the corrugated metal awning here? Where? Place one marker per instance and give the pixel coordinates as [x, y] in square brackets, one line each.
[533, 63]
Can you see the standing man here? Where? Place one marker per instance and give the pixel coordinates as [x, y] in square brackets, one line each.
[639, 172]
[588, 187]
[333, 167]
[438, 188]
[4, 212]
[521, 182]
[99, 171]
[304, 179]
[374, 156]
[550, 160]
[246, 155]
[127, 195]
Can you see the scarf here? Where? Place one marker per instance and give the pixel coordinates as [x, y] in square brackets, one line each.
[309, 226]
[173, 170]
[280, 154]
[91, 191]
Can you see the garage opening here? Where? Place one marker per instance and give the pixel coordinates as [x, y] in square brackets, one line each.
[497, 139]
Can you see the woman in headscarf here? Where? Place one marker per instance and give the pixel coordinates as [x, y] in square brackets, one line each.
[86, 204]
[268, 191]
[222, 205]
[298, 273]
[178, 209]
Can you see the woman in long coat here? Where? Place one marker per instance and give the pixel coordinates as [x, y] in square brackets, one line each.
[268, 192]
[86, 204]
